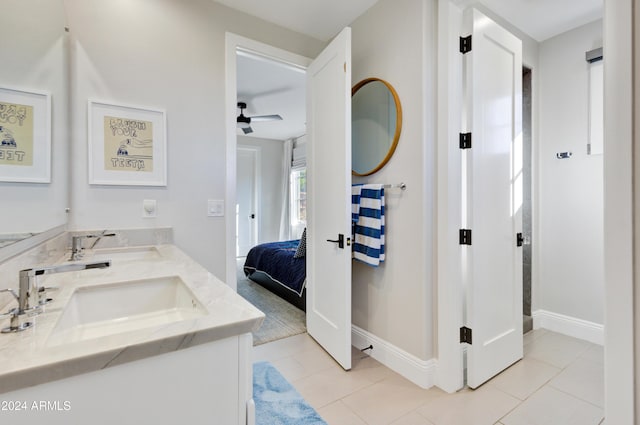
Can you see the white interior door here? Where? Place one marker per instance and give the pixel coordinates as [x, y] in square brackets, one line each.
[329, 199]
[246, 194]
[493, 198]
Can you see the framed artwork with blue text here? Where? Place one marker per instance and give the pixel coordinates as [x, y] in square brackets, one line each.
[25, 136]
[127, 145]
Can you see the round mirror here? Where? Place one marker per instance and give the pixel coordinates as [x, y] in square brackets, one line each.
[376, 120]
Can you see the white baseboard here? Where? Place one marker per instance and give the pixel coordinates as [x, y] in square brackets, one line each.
[567, 325]
[420, 372]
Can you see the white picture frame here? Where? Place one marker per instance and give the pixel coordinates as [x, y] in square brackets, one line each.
[127, 145]
[25, 136]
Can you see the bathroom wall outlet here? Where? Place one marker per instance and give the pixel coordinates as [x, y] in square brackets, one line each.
[215, 208]
[149, 208]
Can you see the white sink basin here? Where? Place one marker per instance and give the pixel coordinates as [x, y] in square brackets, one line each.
[101, 310]
[134, 253]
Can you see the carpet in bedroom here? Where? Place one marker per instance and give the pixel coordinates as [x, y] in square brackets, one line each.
[282, 319]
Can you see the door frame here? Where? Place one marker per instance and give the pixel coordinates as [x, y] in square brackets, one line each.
[235, 43]
[450, 373]
[619, 245]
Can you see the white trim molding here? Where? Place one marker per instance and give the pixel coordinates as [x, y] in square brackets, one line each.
[567, 325]
[420, 372]
[450, 290]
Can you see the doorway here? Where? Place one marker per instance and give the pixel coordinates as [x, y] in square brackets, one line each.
[264, 85]
[328, 88]
[234, 44]
[532, 154]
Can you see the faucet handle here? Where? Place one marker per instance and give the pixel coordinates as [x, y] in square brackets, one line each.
[15, 325]
[30, 311]
[42, 294]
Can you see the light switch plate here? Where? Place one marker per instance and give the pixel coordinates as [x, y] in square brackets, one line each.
[215, 208]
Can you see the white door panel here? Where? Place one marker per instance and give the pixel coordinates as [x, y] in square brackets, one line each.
[493, 263]
[329, 200]
[246, 194]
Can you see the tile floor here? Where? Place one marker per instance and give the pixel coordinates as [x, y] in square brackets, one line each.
[559, 382]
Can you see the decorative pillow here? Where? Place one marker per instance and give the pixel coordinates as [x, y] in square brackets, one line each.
[302, 246]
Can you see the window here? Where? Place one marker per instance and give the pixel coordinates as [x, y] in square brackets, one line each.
[298, 199]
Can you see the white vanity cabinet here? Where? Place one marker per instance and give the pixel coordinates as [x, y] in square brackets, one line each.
[189, 368]
[203, 384]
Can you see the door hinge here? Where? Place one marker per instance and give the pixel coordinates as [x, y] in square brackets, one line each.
[465, 335]
[345, 67]
[465, 140]
[519, 239]
[465, 44]
[465, 236]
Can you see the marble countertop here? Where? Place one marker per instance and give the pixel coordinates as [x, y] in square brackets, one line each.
[30, 358]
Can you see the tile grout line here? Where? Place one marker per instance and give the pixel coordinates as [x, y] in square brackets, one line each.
[576, 397]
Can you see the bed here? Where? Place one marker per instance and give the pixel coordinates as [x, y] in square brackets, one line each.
[273, 266]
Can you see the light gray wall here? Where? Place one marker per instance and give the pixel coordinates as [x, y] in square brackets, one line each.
[269, 185]
[34, 58]
[571, 244]
[395, 41]
[166, 54]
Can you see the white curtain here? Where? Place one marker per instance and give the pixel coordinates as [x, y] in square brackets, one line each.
[285, 215]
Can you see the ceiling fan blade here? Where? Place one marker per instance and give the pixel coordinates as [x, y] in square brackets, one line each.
[266, 118]
[247, 130]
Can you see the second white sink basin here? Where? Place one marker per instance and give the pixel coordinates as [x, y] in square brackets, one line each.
[97, 311]
[133, 253]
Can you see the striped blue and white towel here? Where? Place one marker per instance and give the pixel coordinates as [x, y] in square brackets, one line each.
[367, 214]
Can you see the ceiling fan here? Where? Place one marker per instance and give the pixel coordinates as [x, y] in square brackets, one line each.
[244, 122]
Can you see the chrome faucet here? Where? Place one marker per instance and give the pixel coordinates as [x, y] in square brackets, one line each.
[29, 290]
[76, 243]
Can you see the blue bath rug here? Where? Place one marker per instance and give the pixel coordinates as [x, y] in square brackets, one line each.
[277, 402]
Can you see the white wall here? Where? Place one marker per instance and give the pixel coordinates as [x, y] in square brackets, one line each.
[165, 54]
[395, 41]
[34, 52]
[269, 185]
[571, 239]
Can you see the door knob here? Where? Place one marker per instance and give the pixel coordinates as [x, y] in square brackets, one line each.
[252, 216]
[339, 241]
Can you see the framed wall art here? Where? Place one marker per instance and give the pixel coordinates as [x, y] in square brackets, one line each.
[25, 136]
[127, 145]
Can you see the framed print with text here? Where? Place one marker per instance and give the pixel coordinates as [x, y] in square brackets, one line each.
[25, 136]
[127, 145]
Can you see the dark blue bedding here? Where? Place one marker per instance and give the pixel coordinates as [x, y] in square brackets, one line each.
[276, 260]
